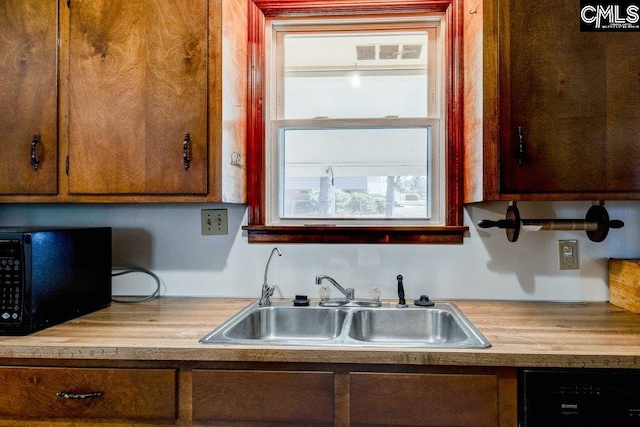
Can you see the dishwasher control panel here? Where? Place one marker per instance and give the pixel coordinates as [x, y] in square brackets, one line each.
[579, 397]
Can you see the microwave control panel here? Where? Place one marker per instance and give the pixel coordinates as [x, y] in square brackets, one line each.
[11, 278]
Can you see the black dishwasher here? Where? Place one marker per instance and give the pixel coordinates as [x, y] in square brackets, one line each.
[579, 397]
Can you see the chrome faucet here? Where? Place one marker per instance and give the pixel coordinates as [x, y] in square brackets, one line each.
[349, 299]
[267, 290]
[349, 293]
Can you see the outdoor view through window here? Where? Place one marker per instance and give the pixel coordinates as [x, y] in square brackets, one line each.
[356, 131]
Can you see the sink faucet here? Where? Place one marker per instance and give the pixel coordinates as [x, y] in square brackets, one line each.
[349, 293]
[267, 290]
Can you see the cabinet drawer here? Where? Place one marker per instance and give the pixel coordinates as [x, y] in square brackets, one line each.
[273, 396]
[424, 399]
[108, 393]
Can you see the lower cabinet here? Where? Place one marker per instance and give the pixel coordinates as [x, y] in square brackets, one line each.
[263, 396]
[182, 393]
[46, 393]
[424, 399]
[357, 395]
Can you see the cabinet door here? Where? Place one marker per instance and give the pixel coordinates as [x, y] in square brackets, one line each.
[576, 96]
[424, 399]
[263, 396]
[88, 393]
[28, 96]
[137, 86]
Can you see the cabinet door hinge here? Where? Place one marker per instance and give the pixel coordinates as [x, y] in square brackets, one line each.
[66, 166]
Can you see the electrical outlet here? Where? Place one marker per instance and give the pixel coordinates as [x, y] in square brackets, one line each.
[568, 254]
[214, 222]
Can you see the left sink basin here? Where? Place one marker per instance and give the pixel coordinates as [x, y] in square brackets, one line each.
[279, 324]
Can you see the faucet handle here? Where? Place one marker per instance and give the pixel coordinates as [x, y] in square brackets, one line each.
[325, 292]
[268, 291]
[374, 294]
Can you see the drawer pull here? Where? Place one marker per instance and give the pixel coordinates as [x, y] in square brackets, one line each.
[80, 396]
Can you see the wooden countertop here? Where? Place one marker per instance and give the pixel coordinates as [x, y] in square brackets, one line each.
[168, 329]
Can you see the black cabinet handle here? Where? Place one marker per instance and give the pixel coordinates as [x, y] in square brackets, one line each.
[35, 163]
[522, 155]
[186, 152]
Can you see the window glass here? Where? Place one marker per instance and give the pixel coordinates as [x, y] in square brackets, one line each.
[355, 123]
[355, 173]
[362, 75]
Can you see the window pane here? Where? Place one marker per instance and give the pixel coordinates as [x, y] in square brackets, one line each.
[355, 173]
[355, 75]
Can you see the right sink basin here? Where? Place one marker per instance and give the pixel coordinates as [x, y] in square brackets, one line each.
[437, 326]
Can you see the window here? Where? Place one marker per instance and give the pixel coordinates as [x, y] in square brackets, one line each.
[365, 172]
[372, 153]
[355, 145]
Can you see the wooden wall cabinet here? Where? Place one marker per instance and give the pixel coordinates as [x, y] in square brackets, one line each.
[137, 86]
[28, 97]
[551, 113]
[151, 102]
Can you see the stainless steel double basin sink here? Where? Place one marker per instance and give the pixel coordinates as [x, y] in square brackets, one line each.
[440, 326]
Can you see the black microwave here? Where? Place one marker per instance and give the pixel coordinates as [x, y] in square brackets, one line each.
[51, 275]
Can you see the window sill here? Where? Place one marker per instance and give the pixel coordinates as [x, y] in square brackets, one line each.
[333, 234]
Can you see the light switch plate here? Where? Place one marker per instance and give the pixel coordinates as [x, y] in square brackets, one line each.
[214, 222]
[568, 254]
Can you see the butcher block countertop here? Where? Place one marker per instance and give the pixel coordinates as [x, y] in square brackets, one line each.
[168, 329]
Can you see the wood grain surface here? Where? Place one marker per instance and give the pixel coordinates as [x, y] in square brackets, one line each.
[575, 94]
[28, 94]
[580, 334]
[137, 85]
[624, 283]
[263, 396]
[115, 393]
[434, 399]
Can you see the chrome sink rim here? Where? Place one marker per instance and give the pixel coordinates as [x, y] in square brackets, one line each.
[475, 339]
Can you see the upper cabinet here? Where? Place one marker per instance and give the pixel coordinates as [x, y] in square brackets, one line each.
[138, 97]
[152, 100]
[28, 102]
[551, 113]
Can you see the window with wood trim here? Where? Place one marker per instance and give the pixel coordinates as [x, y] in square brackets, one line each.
[352, 130]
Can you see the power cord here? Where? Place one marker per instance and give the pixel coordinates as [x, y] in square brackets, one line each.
[127, 270]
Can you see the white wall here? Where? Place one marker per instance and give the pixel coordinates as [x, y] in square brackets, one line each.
[167, 240]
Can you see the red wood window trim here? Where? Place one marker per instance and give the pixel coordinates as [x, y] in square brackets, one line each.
[257, 230]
